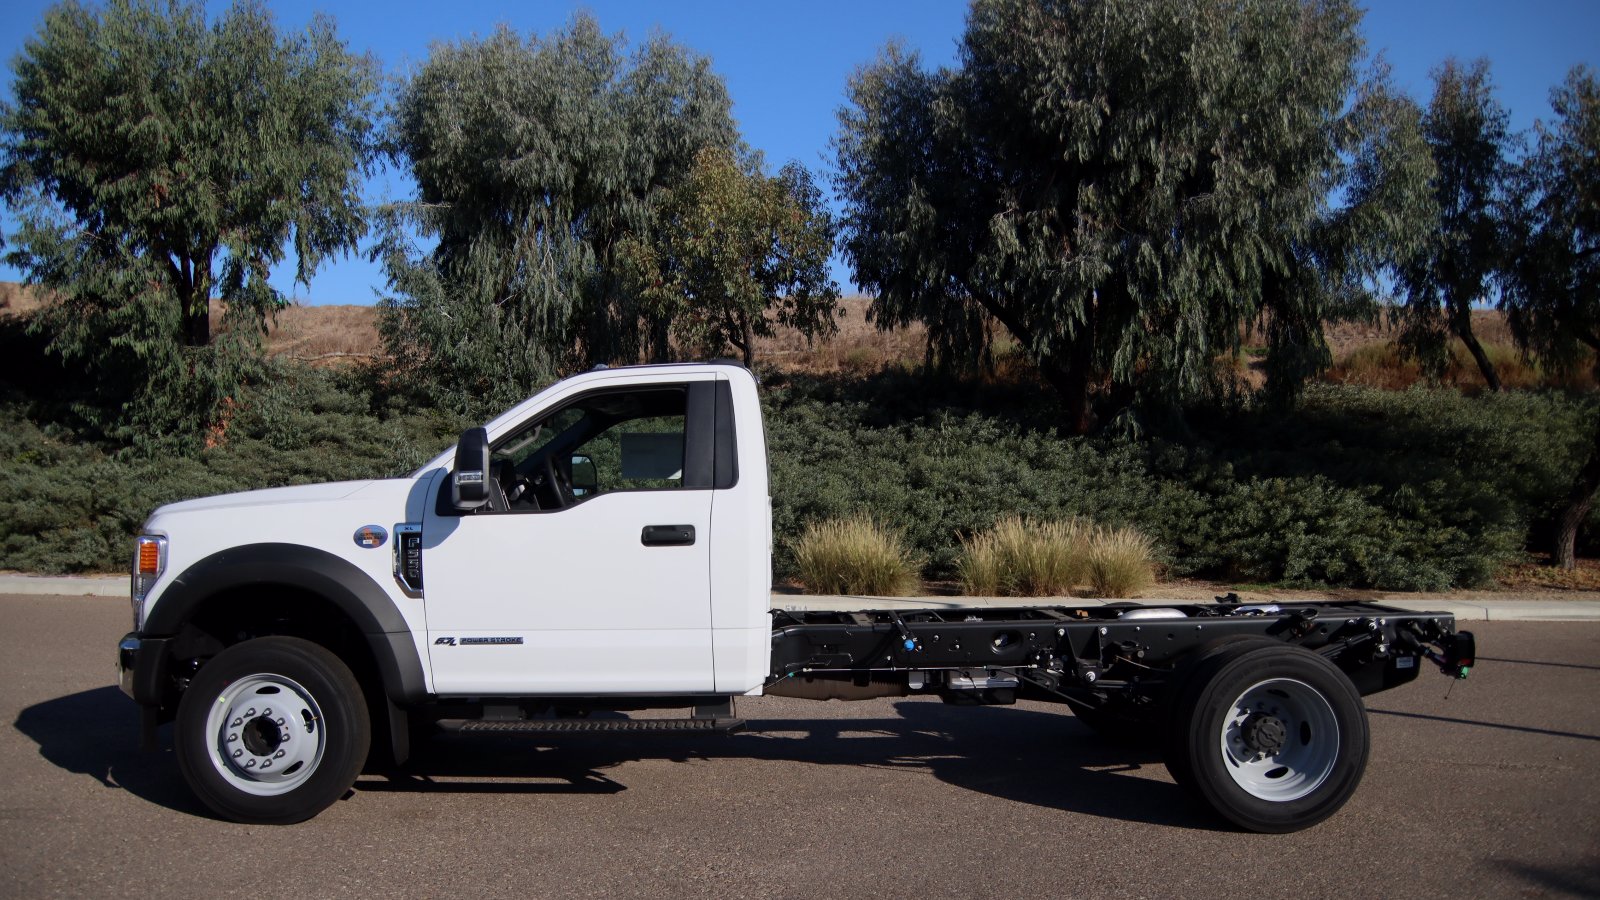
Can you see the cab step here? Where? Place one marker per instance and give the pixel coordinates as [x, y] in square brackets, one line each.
[719, 724]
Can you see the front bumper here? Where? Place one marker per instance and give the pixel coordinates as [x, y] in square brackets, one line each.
[142, 668]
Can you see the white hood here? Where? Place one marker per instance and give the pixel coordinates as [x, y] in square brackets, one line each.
[303, 493]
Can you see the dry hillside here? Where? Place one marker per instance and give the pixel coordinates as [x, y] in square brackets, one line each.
[1362, 353]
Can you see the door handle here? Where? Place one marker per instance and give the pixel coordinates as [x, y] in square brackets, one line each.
[667, 535]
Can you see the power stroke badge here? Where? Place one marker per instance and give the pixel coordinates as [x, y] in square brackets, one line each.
[475, 641]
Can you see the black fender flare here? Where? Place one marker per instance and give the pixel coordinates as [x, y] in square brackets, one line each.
[316, 571]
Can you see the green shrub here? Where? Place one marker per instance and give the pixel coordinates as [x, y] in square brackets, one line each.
[1415, 490]
[854, 556]
[1120, 562]
[1022, 558]
[1418, 489]
[68, 504]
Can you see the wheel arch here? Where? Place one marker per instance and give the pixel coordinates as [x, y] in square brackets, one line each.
[320, 585]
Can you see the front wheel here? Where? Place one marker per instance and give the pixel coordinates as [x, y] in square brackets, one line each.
[272, 731]
[1272, 737]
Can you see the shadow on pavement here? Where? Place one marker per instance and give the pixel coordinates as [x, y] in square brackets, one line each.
[1581, 880]
[1527, 729]
[1045, 759]
[96, 733]
[1041, 758]
[1537, 662]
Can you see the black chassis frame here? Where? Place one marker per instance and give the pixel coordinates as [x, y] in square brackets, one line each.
[1117, 659]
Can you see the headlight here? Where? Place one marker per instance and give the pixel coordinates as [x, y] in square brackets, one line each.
[149, 561]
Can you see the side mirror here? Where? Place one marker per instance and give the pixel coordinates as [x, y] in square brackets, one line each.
[469, 484]
[585, 480]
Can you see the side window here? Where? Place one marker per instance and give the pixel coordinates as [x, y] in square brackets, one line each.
[600, 443]
[639, 454]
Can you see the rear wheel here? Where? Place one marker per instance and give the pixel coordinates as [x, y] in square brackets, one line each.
[1188, 671]
[272, 731]
[1272, 737]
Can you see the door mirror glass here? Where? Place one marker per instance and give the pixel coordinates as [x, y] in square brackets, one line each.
[469, 484]
[585, 479]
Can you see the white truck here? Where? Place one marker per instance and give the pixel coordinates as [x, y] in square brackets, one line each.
[606, 546]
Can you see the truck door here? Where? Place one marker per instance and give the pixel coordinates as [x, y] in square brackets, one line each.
[588, 572]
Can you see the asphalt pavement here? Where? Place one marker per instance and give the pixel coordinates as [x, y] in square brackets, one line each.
[1488, 787]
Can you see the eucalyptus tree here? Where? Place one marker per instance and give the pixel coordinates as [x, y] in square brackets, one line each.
[534, 160]
[159, 164]
[1552, 289]
[735, 253]
[1125, 184]
[1470, 141]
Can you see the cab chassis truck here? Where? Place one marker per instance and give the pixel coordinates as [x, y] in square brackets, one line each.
[605, 546]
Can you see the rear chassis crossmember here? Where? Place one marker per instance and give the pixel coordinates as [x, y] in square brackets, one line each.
[1116, 658]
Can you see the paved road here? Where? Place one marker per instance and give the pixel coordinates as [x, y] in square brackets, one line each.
[1492, 792]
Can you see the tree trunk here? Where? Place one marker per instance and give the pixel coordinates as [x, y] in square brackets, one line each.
[1464, 331]
[196, 322]
[192, 283]
[749, 343]
[660, 342]
[1071, 383]
[1579, 499]
[1070, 380]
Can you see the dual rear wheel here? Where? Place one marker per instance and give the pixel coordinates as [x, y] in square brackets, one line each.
[1271, 736]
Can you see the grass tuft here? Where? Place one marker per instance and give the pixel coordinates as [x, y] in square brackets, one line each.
[1120, 562]
[1022, 558]
[855, 556]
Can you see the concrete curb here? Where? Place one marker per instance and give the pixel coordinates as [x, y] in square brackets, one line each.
[1464, 611]
[66, 585]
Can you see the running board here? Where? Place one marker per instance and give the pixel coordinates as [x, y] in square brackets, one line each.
[717, 725]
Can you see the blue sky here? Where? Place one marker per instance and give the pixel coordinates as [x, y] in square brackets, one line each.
[786, 63]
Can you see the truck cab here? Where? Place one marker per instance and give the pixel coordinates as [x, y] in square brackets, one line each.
[620, 542]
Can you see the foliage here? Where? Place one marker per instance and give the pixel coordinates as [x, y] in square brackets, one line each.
[1468, 137]
[854, 556]
[1552, 296]
[1412, 490]
[1356, 487]
[534, 161]
[71, 505]
[1552, 293]
[158, 164]
[1122, 184]
[730, 246]
[1120, 562]
[1017, 557]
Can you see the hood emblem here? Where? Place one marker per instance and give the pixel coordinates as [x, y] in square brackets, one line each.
[371, 536]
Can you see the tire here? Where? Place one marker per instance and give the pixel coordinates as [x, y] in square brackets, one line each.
[272, 731]
[1188, 672]
[1272, 737]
